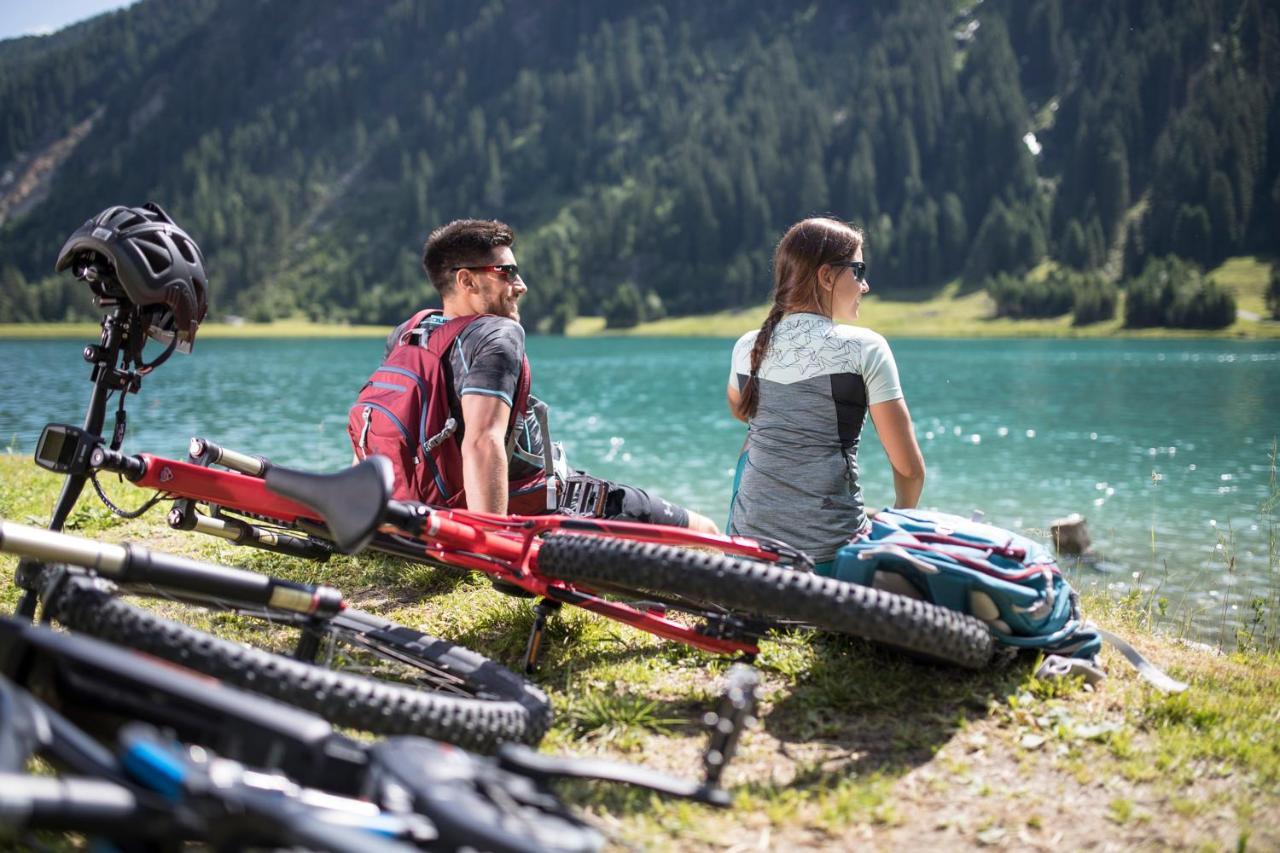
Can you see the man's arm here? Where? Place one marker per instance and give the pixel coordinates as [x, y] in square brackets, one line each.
[484, 452]
[893, 426]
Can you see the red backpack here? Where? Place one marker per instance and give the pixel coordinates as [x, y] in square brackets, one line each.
[403, 413]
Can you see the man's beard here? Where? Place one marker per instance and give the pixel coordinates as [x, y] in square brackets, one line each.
[504, 307]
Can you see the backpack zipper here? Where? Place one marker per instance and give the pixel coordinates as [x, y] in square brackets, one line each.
[364, 433]
[371, 406]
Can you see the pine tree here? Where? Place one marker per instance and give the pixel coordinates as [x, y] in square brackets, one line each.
[1112, 182]
[1221, 209]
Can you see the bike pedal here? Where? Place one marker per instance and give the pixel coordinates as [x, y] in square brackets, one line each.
[511, 589]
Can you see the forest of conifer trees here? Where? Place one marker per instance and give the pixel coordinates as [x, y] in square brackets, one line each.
[650, 153]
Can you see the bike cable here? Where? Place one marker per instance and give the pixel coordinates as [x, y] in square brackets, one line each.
[123, 513]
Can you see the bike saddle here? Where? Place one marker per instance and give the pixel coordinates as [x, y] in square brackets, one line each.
[351, 502]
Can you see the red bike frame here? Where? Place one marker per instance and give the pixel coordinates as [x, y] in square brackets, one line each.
[503, 547]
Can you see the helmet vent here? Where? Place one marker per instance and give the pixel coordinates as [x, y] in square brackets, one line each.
[131, 221]
[157, 258]
[186, 250]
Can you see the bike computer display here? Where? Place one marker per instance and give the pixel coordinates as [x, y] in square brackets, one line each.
[65, 449]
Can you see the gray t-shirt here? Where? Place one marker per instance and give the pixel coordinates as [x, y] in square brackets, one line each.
[486, 359]
[800, 480]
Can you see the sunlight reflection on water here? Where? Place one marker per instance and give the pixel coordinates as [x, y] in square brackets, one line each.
[1151, 440]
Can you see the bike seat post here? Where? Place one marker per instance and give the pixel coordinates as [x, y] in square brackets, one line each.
[533, 651]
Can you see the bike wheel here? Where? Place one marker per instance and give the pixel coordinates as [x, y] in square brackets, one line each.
[765, 589]
[488, 704]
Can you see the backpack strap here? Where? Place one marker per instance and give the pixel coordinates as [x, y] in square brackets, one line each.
[412, 328]
[1149, 671]
[520, 405]
[445, 336]
[548, 457]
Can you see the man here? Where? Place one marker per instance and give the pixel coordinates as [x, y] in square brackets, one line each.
[471, 264]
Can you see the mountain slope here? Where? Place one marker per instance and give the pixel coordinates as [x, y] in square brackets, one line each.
[643, 147]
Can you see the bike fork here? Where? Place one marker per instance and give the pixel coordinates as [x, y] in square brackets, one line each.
[542, 611]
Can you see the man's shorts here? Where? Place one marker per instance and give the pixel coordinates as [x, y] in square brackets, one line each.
[628, 503]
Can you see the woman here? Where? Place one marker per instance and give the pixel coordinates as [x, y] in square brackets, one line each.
[803, 384]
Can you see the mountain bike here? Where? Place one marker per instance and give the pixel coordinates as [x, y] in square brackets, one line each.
[735, 588]
[628, 572]
[440, 690]
[199, 760]
[447, 691]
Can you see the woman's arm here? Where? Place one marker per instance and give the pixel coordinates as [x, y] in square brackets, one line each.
[735, 399]
[893, 425]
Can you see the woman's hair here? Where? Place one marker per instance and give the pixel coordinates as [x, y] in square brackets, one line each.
[806, 247]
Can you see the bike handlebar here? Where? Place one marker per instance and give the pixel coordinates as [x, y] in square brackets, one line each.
[106, 459]
[73, 803]
[133, 564]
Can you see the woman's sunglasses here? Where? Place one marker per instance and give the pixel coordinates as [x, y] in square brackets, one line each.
[858, 267]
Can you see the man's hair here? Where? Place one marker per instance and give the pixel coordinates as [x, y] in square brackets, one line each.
[462, 243]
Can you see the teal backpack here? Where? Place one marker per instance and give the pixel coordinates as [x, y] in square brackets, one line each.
[1009, 581]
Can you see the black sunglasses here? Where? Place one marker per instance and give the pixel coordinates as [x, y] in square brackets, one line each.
[858, 267]
[510, 271]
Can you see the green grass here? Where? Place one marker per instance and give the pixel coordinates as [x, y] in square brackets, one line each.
[854, 745]
[948, 313]
[951, 313]
[1247, 278]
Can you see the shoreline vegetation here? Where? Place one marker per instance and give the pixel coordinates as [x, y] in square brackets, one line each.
[855, 746]
[949, 313]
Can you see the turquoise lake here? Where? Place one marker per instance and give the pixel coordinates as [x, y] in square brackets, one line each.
[1163, 445]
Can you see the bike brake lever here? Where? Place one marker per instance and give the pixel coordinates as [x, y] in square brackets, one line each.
[794, 557]
[734, 712]
[520, 759]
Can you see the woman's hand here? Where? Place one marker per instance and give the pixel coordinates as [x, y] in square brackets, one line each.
[893, 425]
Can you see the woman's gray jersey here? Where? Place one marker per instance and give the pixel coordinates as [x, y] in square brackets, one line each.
[800, 479]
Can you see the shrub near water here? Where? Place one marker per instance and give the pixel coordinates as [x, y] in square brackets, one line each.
[1020, 300]
[1172, 292]
[1095, 300]
[1088, 296]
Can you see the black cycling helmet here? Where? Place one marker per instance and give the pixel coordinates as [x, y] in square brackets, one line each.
[140, 254]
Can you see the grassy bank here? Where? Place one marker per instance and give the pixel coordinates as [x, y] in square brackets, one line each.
[945, 314]
[952, 314]
[856, 746]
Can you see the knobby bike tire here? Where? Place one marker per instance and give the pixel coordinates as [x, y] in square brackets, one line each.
[506, 708]
[765, 589]
[364, 644]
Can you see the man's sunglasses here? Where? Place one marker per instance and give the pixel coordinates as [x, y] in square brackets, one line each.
[858, 267]
[510, 271]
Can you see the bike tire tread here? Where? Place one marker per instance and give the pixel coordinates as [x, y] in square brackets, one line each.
[504, 711]
[766, 589]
